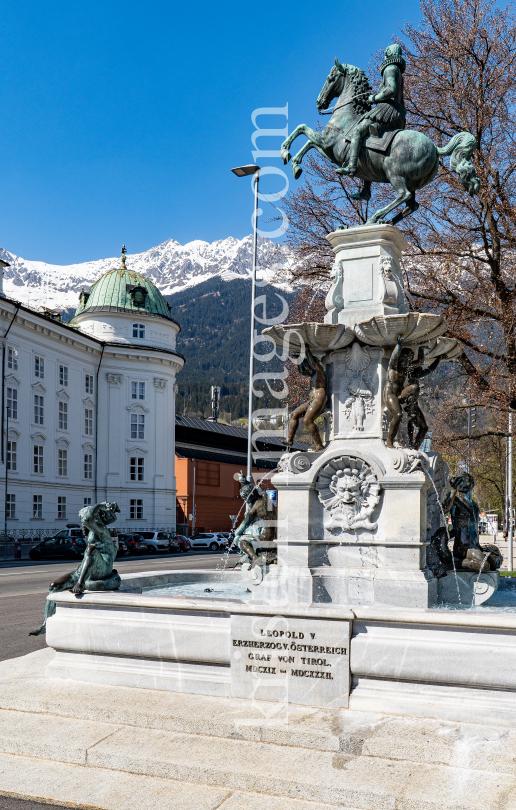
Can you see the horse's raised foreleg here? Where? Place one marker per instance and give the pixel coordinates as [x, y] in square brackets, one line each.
[296, 167]
[302, 129]
[404, 195]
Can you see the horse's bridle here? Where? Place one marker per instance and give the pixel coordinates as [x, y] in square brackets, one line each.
[329, 112]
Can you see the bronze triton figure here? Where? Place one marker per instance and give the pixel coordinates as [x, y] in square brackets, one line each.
[464, 511]
[259, 523]
[417, 427]
[310, 367]
[96, 572]
[396, 376]
[372, 143]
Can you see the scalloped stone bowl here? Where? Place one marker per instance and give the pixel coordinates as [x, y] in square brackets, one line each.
[413, 327]
[320, 337]
[445, 348]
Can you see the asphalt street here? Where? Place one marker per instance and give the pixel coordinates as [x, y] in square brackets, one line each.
[24, 586]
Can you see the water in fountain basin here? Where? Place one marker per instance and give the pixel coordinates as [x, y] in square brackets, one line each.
[217, 590]
[502, 601]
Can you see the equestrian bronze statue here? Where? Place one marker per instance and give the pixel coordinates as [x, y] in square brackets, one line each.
[371, 143]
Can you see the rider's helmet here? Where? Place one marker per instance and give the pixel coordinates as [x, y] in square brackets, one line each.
[393, 56]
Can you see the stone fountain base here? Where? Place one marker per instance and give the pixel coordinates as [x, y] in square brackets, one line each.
[326, 656]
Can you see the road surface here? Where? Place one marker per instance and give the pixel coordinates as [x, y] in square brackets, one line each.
[24, 586]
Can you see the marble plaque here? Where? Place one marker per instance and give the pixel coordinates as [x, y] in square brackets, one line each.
[278, 658]
[360, 283]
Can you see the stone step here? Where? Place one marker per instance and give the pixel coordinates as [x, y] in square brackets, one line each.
[252, 755]
[129, 770]
[201, 759]
[78, 786]
[23, 687]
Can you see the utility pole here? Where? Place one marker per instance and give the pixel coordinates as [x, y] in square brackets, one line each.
[193, 501]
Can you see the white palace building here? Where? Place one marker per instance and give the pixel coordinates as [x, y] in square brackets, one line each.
[88, 408]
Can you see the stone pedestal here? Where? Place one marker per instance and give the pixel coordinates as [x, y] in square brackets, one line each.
[332, 552]
[366, 274]
[353, 524]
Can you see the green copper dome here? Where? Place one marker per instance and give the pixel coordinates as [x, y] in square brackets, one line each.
[123, 290]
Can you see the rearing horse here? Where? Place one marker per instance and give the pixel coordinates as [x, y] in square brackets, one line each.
[410, 162]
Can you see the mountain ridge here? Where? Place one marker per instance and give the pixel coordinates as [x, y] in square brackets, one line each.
[172, 267]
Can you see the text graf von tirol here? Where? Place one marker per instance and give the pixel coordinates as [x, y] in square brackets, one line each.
[291, 660]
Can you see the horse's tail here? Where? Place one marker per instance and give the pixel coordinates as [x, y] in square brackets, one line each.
[461, 147]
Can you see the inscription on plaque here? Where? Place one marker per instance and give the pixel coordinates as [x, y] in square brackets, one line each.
[281, 659]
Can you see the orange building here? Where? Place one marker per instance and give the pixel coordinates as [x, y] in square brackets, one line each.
[216, 453]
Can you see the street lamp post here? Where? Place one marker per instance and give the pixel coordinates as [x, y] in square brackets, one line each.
[510, 519]
[246, 171]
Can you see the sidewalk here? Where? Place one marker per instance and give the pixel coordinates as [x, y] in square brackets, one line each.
[502, 545]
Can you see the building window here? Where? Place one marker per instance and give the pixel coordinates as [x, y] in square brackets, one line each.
[63, 375]
[137, 390]
[62, 462]
[38, 410]
[88, 466]
[12, 358]
[63, 416]
[61, 507]
[88, 383]
[39, 367]
[37, 506]
[87, 502]
[207, 474]
[137, 426]
[10, 507]
[11, 455]
[138, 330]
[136, 509]
[38, 458]
[136, 469]
[88, 421]
[12, 403]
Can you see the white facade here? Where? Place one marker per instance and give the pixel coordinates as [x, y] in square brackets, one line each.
[91, 415]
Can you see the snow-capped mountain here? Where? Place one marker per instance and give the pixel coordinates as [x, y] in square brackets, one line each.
[170, 266]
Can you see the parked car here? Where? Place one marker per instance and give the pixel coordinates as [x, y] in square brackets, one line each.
[213, 541]
[135, 543]
[68, 544]
[123, 548]
[184, 543]
[156, 541]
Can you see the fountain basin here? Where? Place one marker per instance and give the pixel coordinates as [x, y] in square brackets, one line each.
[384, 659]
[413, 327]
[320, 337]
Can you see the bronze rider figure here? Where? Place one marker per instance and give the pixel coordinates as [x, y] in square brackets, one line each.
[389, 113]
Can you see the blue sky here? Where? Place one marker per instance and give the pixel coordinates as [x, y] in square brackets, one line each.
[121, 120]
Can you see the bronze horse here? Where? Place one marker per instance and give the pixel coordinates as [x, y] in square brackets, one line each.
[410, 161]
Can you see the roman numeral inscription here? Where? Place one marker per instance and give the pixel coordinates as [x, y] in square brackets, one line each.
[291, 660]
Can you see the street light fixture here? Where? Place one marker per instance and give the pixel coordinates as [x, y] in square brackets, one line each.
[246, 171]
